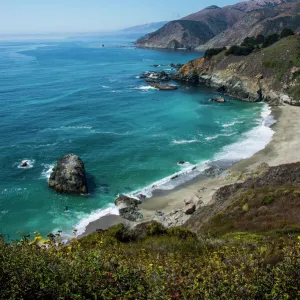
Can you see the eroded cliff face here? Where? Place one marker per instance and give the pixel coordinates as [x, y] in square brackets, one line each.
[271, 74]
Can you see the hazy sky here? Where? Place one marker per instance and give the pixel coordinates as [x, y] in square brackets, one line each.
[54, 16]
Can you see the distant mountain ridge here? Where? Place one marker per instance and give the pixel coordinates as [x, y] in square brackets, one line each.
[133, 32]
[223, 26]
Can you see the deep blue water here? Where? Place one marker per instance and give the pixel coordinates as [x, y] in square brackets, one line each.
[65, 97]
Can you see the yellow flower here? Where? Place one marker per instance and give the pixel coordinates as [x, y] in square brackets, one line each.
[150, 265]
[160, 267]
[299, 237]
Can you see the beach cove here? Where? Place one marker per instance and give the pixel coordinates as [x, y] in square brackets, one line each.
[282, 149]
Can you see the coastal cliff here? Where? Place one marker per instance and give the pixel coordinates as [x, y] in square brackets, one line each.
[270, 74]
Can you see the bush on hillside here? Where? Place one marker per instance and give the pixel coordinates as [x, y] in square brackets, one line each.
[240, 50]
[270, 40]
[286, 32]
[213, 51]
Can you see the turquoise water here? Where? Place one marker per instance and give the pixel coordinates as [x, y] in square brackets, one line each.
[63, 97]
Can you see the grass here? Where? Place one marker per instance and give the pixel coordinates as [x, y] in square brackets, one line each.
[282, 56]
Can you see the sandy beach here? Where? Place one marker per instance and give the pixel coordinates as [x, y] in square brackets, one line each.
[281, 150]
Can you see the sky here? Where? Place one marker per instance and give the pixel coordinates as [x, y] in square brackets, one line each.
[58, 16]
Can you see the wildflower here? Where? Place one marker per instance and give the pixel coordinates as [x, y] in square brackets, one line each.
[150, 265]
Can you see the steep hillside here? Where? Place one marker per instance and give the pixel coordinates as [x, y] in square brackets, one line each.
[270, 74]
[213, 21]
[178, 34]
[269, 201]
[264, 21]
[192, 30]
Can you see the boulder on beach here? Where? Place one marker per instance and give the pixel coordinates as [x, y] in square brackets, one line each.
[68, 176]
[189, 209]
[164, 87]
[128, 208]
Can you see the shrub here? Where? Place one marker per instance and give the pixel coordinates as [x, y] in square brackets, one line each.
[240, 50]
[213, 51]
[286, 32]
[270, 40]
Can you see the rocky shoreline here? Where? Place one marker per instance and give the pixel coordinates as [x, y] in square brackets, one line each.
[251, 78]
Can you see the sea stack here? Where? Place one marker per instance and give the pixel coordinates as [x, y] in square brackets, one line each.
[68, 176]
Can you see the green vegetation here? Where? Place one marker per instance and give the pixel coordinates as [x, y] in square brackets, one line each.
[282, 57]
[286, 32]
[251, 43]
[213, 51]
[270, 40]
[151, 262]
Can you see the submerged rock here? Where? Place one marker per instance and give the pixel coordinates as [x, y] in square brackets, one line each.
[164, 87]
[68, 176]
[218, 99]
[128, 208]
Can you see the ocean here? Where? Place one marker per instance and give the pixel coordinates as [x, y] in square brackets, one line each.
[60, 97]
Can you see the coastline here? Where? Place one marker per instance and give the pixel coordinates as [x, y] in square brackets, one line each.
[280, 150]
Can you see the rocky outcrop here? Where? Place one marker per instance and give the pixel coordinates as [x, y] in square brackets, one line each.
[128, 208]
[268, 74]
[164, 86]
[68, 176]
[155, 77]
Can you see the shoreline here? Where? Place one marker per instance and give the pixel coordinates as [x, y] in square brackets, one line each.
[171, 203]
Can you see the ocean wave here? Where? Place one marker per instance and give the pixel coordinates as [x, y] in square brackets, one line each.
[47, 171]
[181, 142]
[111, 132]
[209, 138]
[145, 88]
[105, 86]
[67, 128]
[232, 124]
[94, 216]
[252, 141]
[168, 183]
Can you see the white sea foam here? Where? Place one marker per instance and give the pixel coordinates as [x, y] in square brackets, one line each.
[181, 142]
[232, 124]
[252, 141]
[105, 86]
[94, 216]
[30, 164]
[61, 128]
[145, 88]
[209, 138]
[47, 171]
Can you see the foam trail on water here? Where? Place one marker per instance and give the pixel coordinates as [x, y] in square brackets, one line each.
[180, 142]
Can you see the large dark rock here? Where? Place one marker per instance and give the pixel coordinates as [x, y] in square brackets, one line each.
[154, 76]
[128, 208]
[68, 176]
